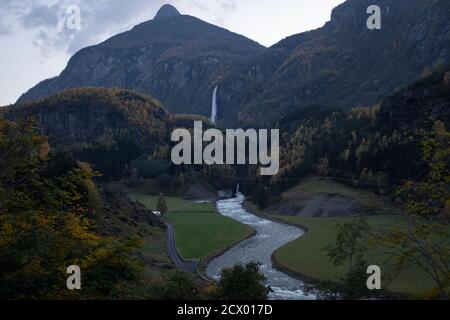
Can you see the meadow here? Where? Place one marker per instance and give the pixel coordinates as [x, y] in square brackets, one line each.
[200, 232]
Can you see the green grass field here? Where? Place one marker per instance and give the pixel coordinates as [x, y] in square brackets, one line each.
[200, 235]
[200, 232]
[306, 257]
[174, 204]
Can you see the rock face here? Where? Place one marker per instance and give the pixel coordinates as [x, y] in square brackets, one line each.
[343, 64]
[177, 58]
[418, 105]
[319, 206]
[180, 59]
[167, 11]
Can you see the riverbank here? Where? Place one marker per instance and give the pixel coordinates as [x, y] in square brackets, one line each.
[305, 258]
[259, 248]
[251, 207]
[203, 264]
[200, 232]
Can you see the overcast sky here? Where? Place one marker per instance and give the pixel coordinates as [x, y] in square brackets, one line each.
[36, 43]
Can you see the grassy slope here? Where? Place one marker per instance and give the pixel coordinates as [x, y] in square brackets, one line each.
[150, 201]
[199, 231]
[313, 185]
[201, 235]
[153, 249]
[305, 255]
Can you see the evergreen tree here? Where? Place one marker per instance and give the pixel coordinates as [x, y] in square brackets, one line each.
[161, 204]
[45, 225]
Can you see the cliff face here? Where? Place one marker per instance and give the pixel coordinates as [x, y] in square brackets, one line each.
[180, 59]
[177, 58]
[418, 105]
[105, 127]
[343, 64]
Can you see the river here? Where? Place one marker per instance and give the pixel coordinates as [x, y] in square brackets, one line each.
[270, 237]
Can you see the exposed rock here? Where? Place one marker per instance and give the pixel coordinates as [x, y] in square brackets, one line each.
[177, 58]
[446, 81]
[419, 105]
[200, 191]
[343, 64]
[167, 11]
[180, 59]
[320, 205]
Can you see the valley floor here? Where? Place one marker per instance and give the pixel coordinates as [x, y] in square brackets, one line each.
[200, 232]
[306, 257]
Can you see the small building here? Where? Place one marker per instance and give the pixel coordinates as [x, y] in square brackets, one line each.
[157, 213]
[225, 194]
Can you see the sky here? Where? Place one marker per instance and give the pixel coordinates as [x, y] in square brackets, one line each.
[38, 37]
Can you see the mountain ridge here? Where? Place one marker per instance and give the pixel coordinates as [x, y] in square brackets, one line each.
[107, 127]
[180, 60]
[342, 64]
[178, 53]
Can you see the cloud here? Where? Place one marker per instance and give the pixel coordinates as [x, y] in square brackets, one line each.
[229, 6]
[46, 19]
[5, 30]
[214, 11]
[40, 16]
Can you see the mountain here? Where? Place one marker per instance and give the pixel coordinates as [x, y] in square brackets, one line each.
[105, 127]
[375, 148]
[177, 58]
[343, 64]
[418, 105]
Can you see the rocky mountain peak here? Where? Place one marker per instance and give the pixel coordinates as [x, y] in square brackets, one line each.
[167, 11]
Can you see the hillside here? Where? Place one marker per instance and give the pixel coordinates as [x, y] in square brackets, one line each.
[376, 148]
[343, 64]
[325, 198]
[123, 134]
[176, 58]
[418, 105]
[179, 59]
[104, 127]
[117, 216]
[53, 215]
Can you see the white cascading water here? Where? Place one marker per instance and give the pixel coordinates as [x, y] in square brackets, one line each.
[214, 106]
[270, 237]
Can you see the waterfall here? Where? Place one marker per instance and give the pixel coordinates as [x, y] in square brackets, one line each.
[214, 106]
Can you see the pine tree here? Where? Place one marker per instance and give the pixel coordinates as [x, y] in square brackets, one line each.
[161, 205]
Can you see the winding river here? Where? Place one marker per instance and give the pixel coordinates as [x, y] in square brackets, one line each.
[270, 237]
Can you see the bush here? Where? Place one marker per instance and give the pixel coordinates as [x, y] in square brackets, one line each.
[243, 283]
[149, 169]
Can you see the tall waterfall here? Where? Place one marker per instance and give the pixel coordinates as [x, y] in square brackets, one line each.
[214, 106]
